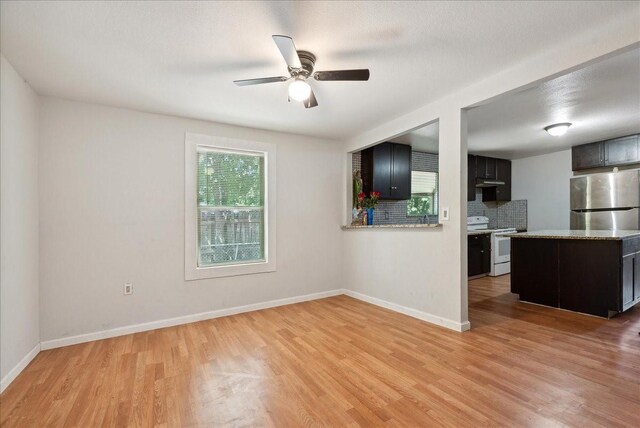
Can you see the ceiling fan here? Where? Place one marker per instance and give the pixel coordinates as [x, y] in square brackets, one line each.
[300, 65]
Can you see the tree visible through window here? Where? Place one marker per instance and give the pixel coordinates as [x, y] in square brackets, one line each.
[424, 194]
[231, 196]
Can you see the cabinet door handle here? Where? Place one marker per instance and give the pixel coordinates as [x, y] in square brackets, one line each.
[393, 188]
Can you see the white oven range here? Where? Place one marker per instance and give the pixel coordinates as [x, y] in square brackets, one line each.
[500, 244]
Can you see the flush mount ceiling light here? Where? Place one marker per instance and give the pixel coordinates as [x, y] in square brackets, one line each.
[299, 90]
[557, 129]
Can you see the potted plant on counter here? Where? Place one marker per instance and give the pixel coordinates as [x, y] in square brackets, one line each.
[369, 203]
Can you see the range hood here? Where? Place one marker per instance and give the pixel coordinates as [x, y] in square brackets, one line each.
[485, 182]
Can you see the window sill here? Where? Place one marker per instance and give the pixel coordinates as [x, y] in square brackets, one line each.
[230, 270]
[392, 226]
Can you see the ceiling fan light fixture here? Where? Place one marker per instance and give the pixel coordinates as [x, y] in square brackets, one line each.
[557, 129]
[299, 90]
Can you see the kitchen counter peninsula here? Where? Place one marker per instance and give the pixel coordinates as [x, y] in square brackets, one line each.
[579, 234]
[391, 226]
[595, 272]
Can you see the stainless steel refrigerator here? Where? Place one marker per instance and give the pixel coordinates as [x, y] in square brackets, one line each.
[607, 201]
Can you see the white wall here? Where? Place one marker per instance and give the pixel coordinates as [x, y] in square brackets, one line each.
[112, 211]
[421, 269]
[19, 325]
[430, 271]
[544, 182]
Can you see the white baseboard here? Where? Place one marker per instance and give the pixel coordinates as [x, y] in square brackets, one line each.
[14, 372]
[170, 322]
[424, 316]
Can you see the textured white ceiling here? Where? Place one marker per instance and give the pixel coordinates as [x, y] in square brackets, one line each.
[180, 58]
[424, 139]
[601, 101]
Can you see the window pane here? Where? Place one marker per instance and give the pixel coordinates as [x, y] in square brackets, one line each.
[420, 205]
[230, 208]
[424, 194]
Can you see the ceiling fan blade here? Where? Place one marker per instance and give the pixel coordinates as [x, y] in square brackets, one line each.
[288, 51]
[248, 82]
[361, 74]
[311, 101]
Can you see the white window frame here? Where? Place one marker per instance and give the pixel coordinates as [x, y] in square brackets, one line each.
[192, 271]
[434, 195]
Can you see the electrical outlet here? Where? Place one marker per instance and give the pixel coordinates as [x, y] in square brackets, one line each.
[128, 288]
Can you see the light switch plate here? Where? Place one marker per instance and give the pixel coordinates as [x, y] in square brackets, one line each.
[445, 214]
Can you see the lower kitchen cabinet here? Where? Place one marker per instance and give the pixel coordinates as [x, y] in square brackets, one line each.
[584, 272]
[599, 277]
[630, 280]
[534, 272]
[479, 254]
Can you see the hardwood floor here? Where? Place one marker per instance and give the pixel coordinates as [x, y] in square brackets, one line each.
[342, 362]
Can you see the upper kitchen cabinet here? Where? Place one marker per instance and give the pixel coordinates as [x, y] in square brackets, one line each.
[489, 169]
[621, 151]
[386, 168]
[485, 167]
[501, 192]
[614, 152]
[587, 156]
[471, 178]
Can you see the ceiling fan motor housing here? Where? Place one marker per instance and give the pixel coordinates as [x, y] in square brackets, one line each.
[308, 61]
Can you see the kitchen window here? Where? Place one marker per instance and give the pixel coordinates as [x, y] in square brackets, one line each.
[230, 207]
[424, 194]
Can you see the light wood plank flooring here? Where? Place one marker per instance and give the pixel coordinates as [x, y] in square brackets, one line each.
[341, 362]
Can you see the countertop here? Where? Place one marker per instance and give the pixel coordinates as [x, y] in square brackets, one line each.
[484, 232]
[579, 234]
[392, 226]
[479, 232]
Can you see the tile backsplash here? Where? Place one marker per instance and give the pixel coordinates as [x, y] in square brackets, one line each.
[501, 214]
[395, 212]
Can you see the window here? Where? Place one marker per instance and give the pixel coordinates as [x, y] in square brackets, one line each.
[424, 194]
[230, 207]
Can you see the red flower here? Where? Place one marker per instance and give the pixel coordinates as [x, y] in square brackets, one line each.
[361, 196]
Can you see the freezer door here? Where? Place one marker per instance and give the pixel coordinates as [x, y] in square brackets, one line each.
[602, 191]
[606, 220]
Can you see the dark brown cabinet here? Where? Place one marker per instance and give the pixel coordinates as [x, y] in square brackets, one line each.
[586, 275]
[636, 278]
[629, 274]
[614, 152]
[471, 178]
[621, 151]
[528, 279]
[587, 156]
[599, 277]
[500, 193]
[479, 254]
[485, 167]
[386, 168]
